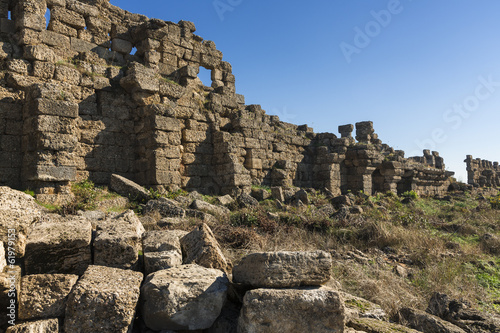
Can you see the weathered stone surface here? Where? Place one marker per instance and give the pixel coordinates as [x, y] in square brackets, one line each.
[18, 211]
[369, 325]
[45, 295]
[292, 310]
[128, 188]
[225, 200]
[277, 193]
[188, 297]
[209, 208]
[357, 307]
[39, 326]
[59, 245]
[107, 295]
[425, 322]
[247, 201]
[201, 247]
[283, 269]
[162, 249]
[118, 242]
[165, 207]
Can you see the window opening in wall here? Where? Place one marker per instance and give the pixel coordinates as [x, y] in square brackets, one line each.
[205, 75]
[47, 18]
[9, 15]
[134, 51]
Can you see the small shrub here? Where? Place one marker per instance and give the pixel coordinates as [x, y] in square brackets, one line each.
[410, 194]
[495, 202]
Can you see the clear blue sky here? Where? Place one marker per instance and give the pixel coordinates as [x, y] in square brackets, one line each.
[425, 72]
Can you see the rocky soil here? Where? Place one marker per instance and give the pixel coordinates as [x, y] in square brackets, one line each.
[279, 260]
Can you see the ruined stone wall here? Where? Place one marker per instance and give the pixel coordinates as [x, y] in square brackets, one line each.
[482, 173]
[97, 90]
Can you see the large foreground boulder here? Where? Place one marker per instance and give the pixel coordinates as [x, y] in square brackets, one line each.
[187, 297]
[313, 309]
[59, 245]
[103, 300]
[200, 247]
[162, 249]
[39, 326]
[45, 295]
[283, 269]
[118, 242]
[18, 211]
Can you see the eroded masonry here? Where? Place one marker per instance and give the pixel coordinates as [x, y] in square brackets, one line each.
[482, 173]
[97, 90]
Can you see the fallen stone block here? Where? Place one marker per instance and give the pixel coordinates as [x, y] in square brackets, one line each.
[209, 208]
[165, 207]
[425, 322]
[201, 247]
[225, 200]
[283, 269]
[44, 295]
[59, 245]
[45, 326]
[377, 326]
[108, 296]
[162, 249]
[128, 188]
[357, 307]
[300, 310]
[118, 242]
[187, 297]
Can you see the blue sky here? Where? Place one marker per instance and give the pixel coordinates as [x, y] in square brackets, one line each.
[427, 73]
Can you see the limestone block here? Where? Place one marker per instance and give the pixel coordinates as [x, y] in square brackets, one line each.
[44, 70]
[59, 108]
[292, 310]
[62, 29]
[209, 208]
[45, 295]
[39, 52]
[373, 325]
[425, 322]
[118, 242]
[18, 211]
[167, 124]
[68, 17]
[283, 269]
[59, 245]
[187, 297]
[194, 136]
[162, 249]
[201, 247]
[166, 208]
[82, 8]
[19, 66]
[107, 295]
[171, 89]
[277, 193]
[128, 188]
[31, 21]
[45, 326]
[122, 46]
[49, 173]
[67, 74]
[54, 39]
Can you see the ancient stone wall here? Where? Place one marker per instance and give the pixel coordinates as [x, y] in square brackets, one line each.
[482, 173]
[97, 90]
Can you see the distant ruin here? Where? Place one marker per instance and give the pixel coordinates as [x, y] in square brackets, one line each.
[76, 102]
[482, 173]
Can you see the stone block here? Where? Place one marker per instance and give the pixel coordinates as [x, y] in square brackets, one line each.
[52, 38]
[201, 247]
[283, 269]
[118, 242]
[39, 52]
[128, 188]
[194, 136]
[74, 20]
[45, 295]
[187, 297]
[107, 295]
[292, 310]
[166, 208]
[50, 173]
[53, 107]
[162, 249]
[121, 46]
[59, 245]
[79, 45]
[67, 74]
[30, 21]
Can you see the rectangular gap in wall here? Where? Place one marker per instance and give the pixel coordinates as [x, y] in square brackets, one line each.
[47, 18]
